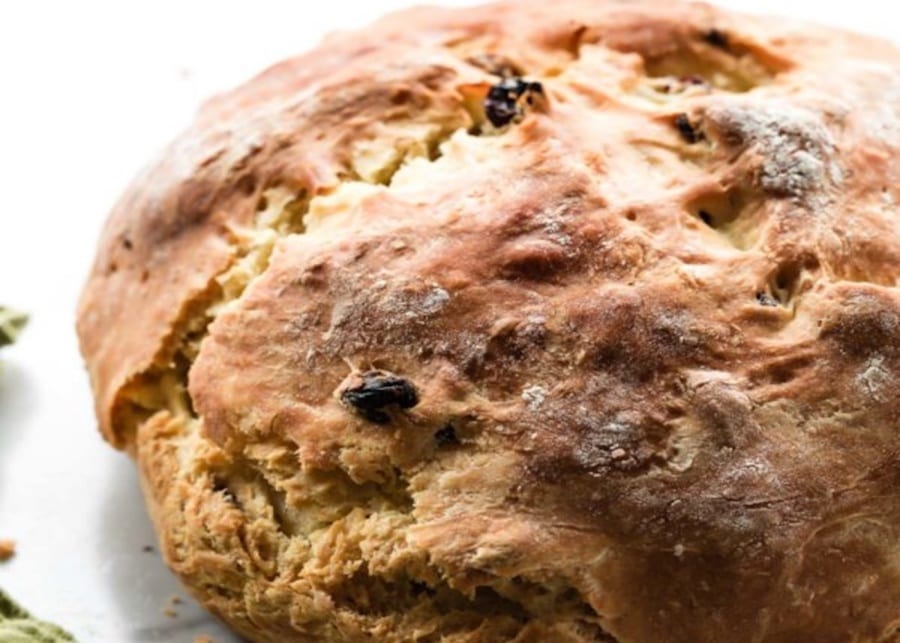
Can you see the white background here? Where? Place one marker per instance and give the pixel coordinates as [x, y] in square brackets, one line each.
[89, 91]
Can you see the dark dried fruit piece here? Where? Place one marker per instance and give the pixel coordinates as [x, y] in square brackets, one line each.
[506, 101]
[693, 79]
[446, 436]
[687, 129]
[692, 84]
[375, 391]
[716, 38]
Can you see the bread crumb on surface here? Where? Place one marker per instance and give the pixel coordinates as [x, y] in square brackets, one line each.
[7, 549]
[203, 638]
[174, 600]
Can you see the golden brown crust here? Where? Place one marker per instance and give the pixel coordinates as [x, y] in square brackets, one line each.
[652, 328]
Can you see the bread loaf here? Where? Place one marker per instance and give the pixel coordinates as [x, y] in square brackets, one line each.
[539, 321]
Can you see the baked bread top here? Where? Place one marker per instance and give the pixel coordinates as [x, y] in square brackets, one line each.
[534, 321]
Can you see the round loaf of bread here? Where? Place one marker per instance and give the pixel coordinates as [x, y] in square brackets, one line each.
[542, 321]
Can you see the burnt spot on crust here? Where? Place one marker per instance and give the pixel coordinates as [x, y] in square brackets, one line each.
[373, 392]
[508, 100]
[766, 300]
[688, 131]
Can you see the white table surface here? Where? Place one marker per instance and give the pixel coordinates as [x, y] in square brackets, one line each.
[89, 91]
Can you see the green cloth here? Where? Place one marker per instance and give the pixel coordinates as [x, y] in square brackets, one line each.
[18, 626]
[11, 323]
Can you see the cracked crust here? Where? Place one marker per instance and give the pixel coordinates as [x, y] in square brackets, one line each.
[651, 326]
